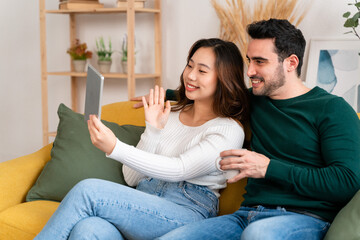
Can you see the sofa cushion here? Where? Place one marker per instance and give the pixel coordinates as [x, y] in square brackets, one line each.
[231, 197]
[346, 222]
[25, 220]
[74, 158]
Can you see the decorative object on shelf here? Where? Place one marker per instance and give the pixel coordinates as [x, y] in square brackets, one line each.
[79, 4]
[235, 15]
[79, 54]
[79, 65]
[124, 54]
[353, 22]
[104, 55]
[124, 3]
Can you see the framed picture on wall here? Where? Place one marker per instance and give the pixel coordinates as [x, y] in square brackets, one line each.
[334, 65]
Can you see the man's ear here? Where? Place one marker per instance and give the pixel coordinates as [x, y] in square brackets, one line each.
[291, 63]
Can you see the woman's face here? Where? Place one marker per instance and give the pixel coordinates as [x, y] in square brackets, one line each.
[200, 77]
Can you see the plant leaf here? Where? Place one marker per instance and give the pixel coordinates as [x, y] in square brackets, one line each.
[346, 15]
[349, 23]
[356, 16]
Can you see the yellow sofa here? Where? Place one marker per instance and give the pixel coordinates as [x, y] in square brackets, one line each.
[20, 220]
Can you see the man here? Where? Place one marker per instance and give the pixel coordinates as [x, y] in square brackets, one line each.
[305, 163]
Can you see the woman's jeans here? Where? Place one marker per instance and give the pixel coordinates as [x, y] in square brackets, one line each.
[254, 224]
[98, 209]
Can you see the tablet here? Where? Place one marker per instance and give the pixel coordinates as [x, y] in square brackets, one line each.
[94, 88]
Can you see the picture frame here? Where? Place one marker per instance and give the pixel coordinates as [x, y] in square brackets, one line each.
[334, 65]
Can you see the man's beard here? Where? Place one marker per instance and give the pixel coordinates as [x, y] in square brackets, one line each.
[277, 81]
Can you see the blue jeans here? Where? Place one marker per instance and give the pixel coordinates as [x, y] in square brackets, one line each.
[98, 209]
[254, 224]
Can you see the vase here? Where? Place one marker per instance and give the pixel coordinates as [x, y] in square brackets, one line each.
[124, 66]
[104, 66]
[79, 65]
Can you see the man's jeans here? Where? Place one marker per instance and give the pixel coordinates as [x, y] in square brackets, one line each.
[98, 209]
[254, 224]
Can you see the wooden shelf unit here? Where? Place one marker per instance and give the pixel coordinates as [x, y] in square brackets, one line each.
[130, 12]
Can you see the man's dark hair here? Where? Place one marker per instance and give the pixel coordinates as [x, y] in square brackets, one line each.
[288, 39]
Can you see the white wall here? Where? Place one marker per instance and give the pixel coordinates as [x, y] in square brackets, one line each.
[184, 22]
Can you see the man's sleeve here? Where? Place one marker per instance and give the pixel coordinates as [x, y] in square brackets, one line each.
[171, 95]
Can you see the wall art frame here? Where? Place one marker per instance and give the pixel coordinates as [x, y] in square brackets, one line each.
[334, 65]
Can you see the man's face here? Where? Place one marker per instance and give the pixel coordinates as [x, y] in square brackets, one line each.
[265, 71]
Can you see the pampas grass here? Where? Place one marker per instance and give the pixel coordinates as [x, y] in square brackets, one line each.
[235, 15]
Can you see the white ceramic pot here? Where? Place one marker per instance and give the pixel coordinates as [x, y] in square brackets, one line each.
[124, 66]
[79, 65]
[104, 66]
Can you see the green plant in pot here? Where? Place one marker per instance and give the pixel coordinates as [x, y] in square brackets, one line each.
[352, 21]
[104, 55]
[79, 53]
[124, 54]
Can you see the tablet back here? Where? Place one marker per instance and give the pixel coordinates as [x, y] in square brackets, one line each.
[94, 88]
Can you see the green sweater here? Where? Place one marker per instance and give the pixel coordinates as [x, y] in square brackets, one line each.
[313, 142]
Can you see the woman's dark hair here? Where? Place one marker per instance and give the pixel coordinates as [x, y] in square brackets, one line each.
[231, 98]
[288, 39]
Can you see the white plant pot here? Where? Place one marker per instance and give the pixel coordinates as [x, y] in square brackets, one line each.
[79, 65]
[124, 66]
[104, 66]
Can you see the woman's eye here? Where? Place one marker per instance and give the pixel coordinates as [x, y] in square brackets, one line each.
[189, 66]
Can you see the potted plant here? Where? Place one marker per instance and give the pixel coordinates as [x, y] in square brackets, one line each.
[104, 55]
[124, 54]
[353, 21]
[79, 54]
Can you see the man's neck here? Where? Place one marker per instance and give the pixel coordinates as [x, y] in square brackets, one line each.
[290, 89]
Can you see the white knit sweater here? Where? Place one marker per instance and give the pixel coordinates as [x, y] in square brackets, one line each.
[179, 152]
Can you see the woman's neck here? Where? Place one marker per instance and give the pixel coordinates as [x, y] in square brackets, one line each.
[197, 114]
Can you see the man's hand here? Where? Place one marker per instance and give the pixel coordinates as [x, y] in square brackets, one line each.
[139, 104]
[155, 113]
[250, 164]
[101, 136]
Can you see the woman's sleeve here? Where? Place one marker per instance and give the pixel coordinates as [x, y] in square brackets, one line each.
[196, 161]
[148, 142]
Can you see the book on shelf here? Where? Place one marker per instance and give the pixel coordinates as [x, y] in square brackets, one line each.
[134, 0]
[124, 3]
[82, 1]
[80, 5]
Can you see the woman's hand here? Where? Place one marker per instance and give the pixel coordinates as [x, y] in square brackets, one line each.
[155, 113]
[101, 136]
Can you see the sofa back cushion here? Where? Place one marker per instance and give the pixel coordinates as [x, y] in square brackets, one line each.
[74, 158]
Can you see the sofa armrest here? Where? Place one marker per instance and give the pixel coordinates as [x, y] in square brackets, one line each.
[18, 175]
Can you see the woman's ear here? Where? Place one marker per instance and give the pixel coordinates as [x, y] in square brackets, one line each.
[291, 63]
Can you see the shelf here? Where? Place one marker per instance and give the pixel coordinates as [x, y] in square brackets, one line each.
[104, 10]
[130, 11]
[106, 75]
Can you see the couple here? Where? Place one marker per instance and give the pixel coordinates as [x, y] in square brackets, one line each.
[304, 141]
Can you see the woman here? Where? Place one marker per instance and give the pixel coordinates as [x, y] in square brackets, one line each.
[173, 166]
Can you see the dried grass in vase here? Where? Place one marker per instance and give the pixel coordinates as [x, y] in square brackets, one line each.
[235, 15]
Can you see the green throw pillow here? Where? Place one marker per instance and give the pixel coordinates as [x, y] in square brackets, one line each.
[346, 223]
[74, 157]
